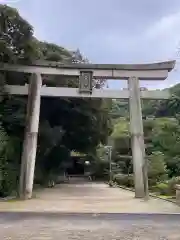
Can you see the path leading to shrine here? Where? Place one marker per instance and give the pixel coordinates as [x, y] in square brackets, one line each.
[87, 197]
[70, 211]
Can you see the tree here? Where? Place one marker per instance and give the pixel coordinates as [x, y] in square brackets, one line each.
[156, 168]
[121, 148]
[15, 36]
[162, 141]
[166, 138]
[119, 108]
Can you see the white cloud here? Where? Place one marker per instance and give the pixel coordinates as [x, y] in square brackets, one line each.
[165, 35]
[165, 26]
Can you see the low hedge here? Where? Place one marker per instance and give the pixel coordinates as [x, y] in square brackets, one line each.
[171, 184]
[163, 188]
[167, 187]
[124, 180]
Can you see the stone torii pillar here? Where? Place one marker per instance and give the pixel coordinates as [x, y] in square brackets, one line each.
[30, 140]
[137, 139]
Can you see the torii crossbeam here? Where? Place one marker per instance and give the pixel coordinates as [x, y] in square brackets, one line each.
[130, 72]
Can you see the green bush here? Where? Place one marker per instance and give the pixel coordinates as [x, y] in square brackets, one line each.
[124, 180]
[100, 170]
[162, 188]
[167, 187]
[156, 168]
[9, 166]
[8, 182]
[171, 185]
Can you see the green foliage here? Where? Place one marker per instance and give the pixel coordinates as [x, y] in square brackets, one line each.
[167, 187]
[100, 169]
[172, 183]
[156, 168]
[3, 145]
[162, 139]
[121, 153]
[162, 188]
[166, 138]
[124, 180]
[8, 166]
[119, 108]
[53, 52]
[15, 36]
[121, 129]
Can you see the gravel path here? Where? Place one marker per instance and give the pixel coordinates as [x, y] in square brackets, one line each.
[88, 211]
[89, 197]
[128, 227]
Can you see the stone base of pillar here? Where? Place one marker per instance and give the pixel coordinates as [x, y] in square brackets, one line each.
[31, 156]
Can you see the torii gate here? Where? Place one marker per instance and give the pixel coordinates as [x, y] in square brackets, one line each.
[130, 72]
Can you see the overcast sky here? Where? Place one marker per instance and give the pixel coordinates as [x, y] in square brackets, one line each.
[110, 31]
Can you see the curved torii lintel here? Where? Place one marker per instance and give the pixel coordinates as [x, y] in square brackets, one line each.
[152, 71]
[168, 65]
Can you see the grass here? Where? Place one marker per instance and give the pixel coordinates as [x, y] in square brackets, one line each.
[170, 198]
[15, 198]
[153, 194]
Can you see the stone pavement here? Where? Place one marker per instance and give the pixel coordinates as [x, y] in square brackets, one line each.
[89, 197]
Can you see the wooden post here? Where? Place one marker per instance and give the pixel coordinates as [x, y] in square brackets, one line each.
[31, 135]
[137, 139]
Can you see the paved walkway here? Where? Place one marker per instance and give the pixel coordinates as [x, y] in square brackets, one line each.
[89, 198]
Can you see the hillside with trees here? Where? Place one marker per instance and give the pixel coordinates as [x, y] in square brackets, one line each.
[162, 140]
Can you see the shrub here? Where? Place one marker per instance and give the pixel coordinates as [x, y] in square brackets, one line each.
[124, 180]
[171, 185]
[167, 187]
[162, 188]
[156, 168]
[9, 167]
